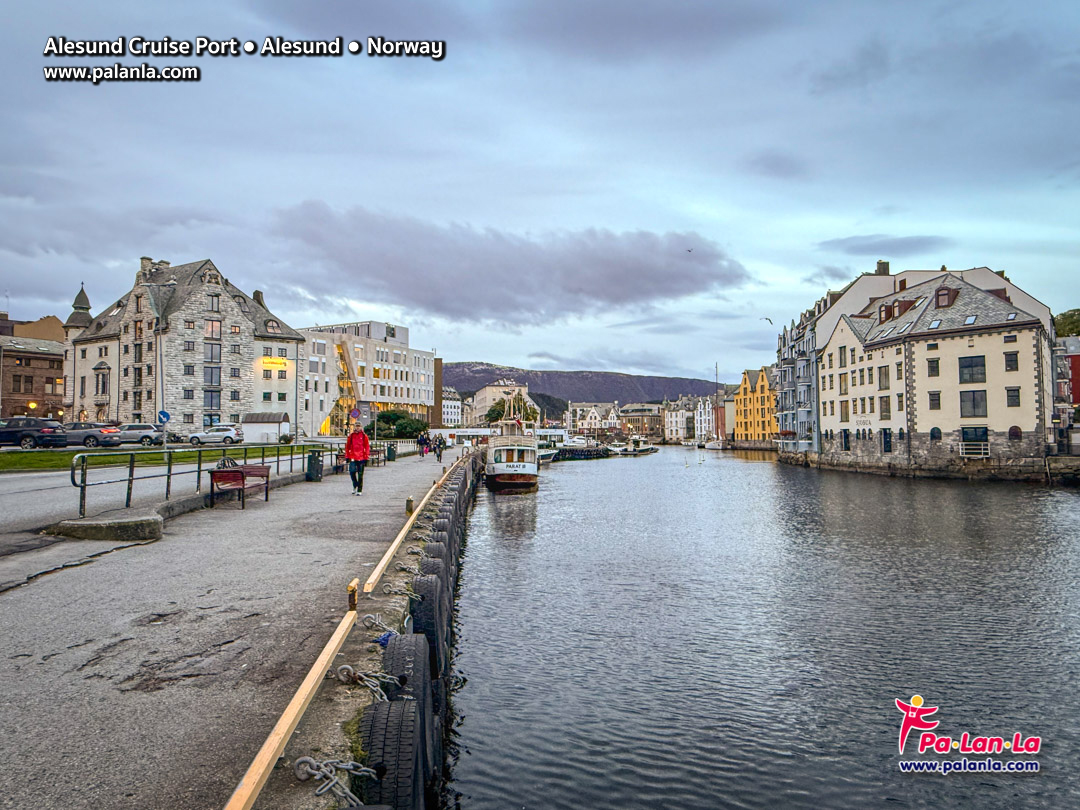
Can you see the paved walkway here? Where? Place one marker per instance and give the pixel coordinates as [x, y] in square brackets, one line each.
[150, 676]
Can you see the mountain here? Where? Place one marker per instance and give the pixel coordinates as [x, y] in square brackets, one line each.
[577, 386]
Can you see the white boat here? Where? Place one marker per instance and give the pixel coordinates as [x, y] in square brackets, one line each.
[579, 441]
[636, 446]
[714, 444]
[512, 457]
[547, 454]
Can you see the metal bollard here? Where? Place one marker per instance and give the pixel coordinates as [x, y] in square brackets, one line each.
[409, 506]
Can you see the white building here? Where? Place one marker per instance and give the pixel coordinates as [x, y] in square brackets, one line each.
[493, 393]
[451, 408]
[592, 417]
[366, 366]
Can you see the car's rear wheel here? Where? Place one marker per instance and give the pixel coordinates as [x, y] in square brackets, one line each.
[227, 440]
[146, 441]
[27, 443]
[194, 440]
[90, 441]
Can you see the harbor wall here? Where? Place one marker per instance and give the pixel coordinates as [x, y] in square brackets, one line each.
[750, 444]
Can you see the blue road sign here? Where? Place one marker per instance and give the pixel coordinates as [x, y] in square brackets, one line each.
[163, 416]
[354, 413]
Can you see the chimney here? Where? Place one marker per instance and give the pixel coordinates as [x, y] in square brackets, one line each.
[145, 263]
[882, 268]
[257, 297]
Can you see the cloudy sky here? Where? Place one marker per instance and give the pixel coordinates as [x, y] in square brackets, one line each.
[627, 186]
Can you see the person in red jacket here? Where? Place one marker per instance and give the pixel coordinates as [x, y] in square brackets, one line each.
[357, 453]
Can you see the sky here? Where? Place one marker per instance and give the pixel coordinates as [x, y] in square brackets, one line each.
[632, 186]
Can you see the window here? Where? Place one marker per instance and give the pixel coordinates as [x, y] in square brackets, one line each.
[1012, 361]
[273, 327]
[281, 397]
[934, 324]
[234, 330]
[283, 374]
[970, 319]
[862, 376]
[137, 400]
[212, 375]
[266, 396]
[125, 371]
[972, 403]
[123, 396]
[862, 404]
[189, 345]
[1011, 316]
[1012, 397]
[843, 384]
[239, 299]
[234, 348]
[871, 400]
[931, 347]
[899, 402]
[189, 419]
[313, 365]
[82, 386]
[900, 371]
[211, 419]
[213, 303]
[943, 296]
[935, 434]
[127, 349]
[1010, 339]
[845, 439]
[211, 399]
[234, 372]
[883, 378]
[307, 383]
[935, 400]
[267, 374]
[267, 351]
[138, 303]
[843, 357]
[189, 371]
[137, 375]
[282, 352]
[903, 329]
[212, 352]
[845, 414]
[830, 359]
[234, 396]
[933, 367]
[189, 324]
[885, 406]
[1015, 434]
[82, 354]
[973, 369]
[832, 408]
[189, 393]
[213, 329]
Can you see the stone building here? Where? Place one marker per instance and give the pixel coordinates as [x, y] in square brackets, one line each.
[755, 409]
[183, 340]
[31, 377]
[934, 374]
[679, 420]
[368, 366]
[642, 419]
[592, 417]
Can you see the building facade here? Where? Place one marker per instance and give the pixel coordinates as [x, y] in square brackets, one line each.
[642, 419]
[31, 377]
[451, 408]
[934, 374]
[679, 420]
[183, 340]
[593, 417]
[367, 366]
[755, 407]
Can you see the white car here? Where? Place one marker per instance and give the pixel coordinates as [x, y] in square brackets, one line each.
[222, 435]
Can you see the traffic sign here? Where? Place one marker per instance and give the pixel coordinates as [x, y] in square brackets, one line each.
[354, 413]
[163, 416]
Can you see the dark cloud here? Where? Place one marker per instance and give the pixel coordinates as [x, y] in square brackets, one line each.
[827, 273]
[605, 359]
[473, 274]
[883, 245]
[777, 164]
[870, 63]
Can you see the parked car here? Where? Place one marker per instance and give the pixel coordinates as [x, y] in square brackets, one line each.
[219, 433]
[92, 434]
[29, 432]
[142, 433]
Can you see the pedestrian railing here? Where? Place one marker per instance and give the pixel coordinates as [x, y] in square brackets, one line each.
[975, 449]
[143, 466]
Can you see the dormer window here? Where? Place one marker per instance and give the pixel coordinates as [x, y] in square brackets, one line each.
[896, 309]
[945, 297]
[273, 327]
[883, 313]
[239, 299]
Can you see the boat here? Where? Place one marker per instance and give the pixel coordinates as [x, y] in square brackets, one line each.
[579, 441]
[511, 461]
[547, 455]
[636, 446]
[714, 444]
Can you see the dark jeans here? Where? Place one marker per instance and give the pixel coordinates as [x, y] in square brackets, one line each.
[356, 473]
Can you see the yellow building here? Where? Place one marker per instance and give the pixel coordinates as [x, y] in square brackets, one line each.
[755, 407]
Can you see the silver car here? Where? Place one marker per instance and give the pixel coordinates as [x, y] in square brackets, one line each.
[92, 434]
[214, 435]
[142, 433]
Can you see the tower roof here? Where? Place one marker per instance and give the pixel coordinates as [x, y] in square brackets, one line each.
[80, 311]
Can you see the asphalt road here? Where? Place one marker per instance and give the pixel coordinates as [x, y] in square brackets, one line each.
[149, 677]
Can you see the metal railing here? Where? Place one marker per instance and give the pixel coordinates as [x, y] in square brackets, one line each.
[265, 454]
[975, 449]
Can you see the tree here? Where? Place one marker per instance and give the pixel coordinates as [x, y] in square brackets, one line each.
[1067, 323]
[397, 425]
[496, 411]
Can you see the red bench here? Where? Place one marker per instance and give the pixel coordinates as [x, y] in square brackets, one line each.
[241, 478]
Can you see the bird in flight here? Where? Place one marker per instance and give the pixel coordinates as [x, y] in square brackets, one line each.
[689, 250]
[767, 319]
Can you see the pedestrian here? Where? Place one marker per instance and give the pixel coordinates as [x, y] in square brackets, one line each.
[422, 445]
[440, 445]
[357, 452]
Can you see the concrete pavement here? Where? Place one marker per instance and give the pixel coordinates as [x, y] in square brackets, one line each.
[150, 676]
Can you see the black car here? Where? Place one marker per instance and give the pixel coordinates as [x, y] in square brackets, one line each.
[29, 432]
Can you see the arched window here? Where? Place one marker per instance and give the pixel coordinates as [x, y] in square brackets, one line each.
[1015, 434]
[900, 434]
[239, 299]
[273, 327]
[935, 434]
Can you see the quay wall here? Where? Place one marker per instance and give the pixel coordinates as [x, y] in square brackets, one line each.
[1054, 469]
[750, 444]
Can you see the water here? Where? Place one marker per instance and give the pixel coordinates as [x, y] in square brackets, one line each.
[657, 632]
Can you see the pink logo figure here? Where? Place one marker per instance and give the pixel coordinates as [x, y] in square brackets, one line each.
[915, 717]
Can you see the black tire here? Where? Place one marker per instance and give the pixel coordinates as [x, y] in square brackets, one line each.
[390, 733]
[429, 619]
[146, 441]
[90, 441]
[27, 443]
[227, 440]
[430, 567]
[442, 525]
[407, 656]
[195, 441]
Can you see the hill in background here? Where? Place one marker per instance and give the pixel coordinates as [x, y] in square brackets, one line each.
[577, 386]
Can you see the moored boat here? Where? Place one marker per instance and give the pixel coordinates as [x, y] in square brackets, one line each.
[636, 446]
[512, 457]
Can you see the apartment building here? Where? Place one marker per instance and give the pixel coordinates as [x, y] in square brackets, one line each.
[755, 407]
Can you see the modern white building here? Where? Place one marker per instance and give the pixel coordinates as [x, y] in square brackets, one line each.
[451, 408]
[366, 366]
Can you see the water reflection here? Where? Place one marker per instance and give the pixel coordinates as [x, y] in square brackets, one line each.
[705, 630]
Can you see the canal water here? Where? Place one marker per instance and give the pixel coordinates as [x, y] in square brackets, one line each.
[703, 630]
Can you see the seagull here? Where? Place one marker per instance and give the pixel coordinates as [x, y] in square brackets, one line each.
[766, 319]
[689, 250]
